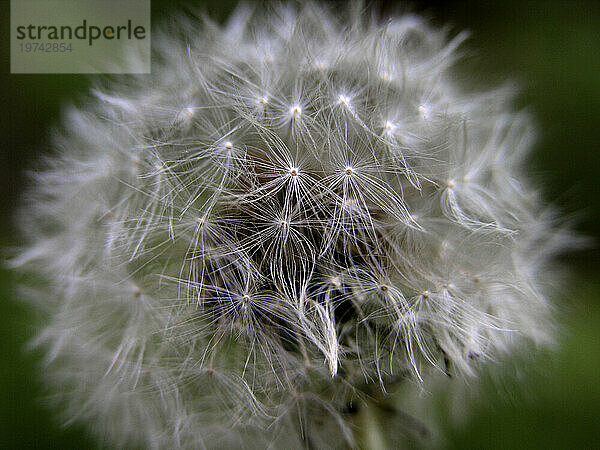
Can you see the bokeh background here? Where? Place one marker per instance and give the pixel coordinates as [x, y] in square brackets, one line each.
[552, 49]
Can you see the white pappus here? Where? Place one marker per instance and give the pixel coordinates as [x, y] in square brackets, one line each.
[295, 211]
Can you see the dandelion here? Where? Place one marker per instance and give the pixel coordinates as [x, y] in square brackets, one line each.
[291, 214]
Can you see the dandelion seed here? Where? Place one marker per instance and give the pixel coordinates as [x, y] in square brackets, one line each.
[189, 112]
[295, 111]
[335, 282]
[385, 76]
[389, 127]
[320, 65]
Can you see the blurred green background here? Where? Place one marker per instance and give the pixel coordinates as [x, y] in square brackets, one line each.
[552, 48]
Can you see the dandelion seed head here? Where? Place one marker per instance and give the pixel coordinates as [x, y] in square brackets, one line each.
[239, 246]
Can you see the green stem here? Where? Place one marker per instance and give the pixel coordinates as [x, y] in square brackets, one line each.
[369, 433]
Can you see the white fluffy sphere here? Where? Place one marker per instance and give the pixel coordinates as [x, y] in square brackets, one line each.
[291, 213]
